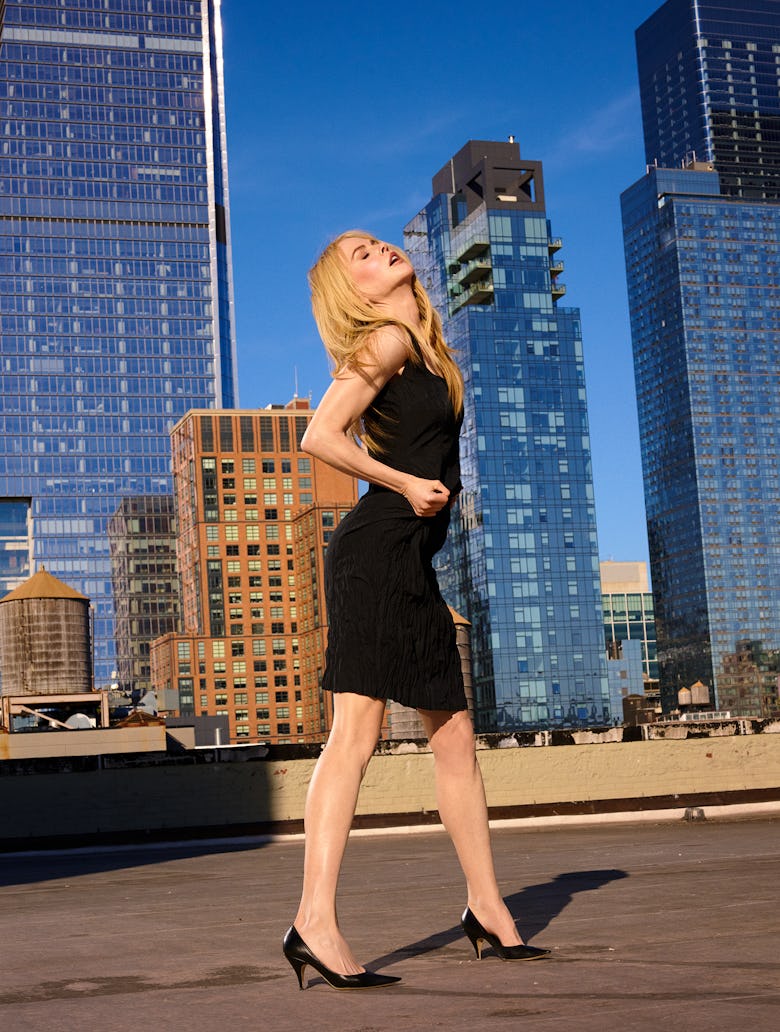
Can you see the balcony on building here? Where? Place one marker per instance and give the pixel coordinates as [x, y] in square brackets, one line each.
[476, 269]
[479, 293]
[477, 245]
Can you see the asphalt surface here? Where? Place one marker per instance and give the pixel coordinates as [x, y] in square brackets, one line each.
[671, 926]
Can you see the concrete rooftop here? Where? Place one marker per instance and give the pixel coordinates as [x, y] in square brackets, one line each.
[667, 926]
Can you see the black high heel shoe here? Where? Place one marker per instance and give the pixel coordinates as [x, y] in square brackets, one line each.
[299, 955]
[478, 936]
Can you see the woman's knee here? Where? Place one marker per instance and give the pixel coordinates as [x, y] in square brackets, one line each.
[452, 739]
[357, 722]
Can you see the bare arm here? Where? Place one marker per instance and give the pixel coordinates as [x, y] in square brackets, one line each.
[347, 398]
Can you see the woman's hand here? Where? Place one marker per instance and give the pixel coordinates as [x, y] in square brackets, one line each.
[426, 497]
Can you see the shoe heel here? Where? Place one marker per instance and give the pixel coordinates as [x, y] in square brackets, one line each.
[298, 966]
[476, 942]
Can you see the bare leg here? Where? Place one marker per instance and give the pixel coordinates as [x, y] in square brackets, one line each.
[461, 800]
[330, 807]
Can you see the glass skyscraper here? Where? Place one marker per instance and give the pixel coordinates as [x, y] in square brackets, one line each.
[709, 72]
[703, 264]
[521, 563]
[115, 277]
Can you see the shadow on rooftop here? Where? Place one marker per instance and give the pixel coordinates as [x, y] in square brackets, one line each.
[26, 869]
[533, 907]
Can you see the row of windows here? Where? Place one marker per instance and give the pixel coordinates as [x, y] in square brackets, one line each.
[19, 57]
[73, 75]
[33, 195]
[179, 21]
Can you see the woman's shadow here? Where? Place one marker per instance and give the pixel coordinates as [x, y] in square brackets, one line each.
[534, 907]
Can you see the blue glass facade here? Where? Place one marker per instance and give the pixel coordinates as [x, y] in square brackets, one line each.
[115, 278]
[709, 80]
[703, 275]
[702, 243]
[521, 563]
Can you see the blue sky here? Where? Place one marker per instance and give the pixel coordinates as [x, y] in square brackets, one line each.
[338, 116]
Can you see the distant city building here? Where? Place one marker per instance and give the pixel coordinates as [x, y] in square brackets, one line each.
[115, 272]
[255, 515]
[521, 563]
[627, 604]
[709, 82]
[142, 543]
[703, 267]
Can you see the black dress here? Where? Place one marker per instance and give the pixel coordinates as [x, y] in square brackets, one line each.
[391, 635]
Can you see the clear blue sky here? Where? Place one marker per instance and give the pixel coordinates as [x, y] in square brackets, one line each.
[338, 116]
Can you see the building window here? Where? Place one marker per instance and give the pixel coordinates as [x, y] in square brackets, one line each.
[207, 433]
[247, 433]
[284, 433]
[226, 433]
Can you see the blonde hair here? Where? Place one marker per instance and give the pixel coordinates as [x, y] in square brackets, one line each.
[346, 321]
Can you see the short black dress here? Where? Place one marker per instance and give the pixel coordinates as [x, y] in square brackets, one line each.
[391, 635]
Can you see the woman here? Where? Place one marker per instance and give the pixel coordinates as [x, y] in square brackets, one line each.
[397, 387]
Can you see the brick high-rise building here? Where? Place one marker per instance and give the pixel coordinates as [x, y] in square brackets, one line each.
[254, 517]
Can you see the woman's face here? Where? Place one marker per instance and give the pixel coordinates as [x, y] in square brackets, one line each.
[377, 269]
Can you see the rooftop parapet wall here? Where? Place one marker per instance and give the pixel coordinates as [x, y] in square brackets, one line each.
[200, 794]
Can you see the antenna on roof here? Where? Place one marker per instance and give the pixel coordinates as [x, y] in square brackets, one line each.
[295, 373]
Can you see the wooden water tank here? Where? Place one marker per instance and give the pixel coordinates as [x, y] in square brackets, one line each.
[44, 639]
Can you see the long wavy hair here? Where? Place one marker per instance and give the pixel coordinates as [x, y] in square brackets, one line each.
[346, 322]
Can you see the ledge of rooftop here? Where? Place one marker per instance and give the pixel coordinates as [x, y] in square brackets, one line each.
[664, 771]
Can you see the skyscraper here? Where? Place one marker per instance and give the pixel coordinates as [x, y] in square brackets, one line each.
[709, 72]
[521, 563]
[703, 264]
[115, 278]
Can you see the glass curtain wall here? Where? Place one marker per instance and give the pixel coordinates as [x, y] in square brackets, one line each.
[115, 279]
[521, 563]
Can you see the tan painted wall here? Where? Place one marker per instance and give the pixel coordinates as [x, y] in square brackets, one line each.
[98, 742]
[403, 783]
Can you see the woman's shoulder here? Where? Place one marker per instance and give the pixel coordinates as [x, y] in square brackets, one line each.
[385, 352]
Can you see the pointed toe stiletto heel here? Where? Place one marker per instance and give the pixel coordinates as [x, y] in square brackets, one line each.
[478, 937]
[299, 955]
